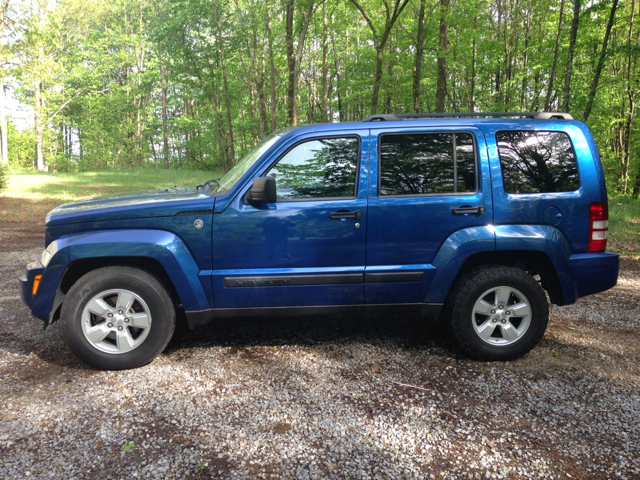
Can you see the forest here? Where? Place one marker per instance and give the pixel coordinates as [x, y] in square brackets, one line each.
[194, 84]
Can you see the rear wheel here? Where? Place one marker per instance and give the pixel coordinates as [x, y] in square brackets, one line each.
[498, 313]
[117, 318]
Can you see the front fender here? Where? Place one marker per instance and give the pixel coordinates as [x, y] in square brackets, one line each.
[165, 247]
[452, 254]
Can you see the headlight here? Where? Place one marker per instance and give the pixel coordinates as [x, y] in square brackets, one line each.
[46, 257]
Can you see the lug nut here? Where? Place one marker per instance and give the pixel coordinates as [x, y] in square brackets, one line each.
[508, 312]
[493, 311]
[120, 312]
[494, 320]
[120, 328]
[110, 325]
[126, 320]
[503, 321]
[500, 307]
[109, 315]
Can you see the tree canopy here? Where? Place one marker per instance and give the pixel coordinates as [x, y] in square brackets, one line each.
[197, 83]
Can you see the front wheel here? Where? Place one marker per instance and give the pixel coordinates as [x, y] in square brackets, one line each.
[498, 313]
[117, 318]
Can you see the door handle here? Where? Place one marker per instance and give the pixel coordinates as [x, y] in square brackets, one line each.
[344, 214]
[467, 210]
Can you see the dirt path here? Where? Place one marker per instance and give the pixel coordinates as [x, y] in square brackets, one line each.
[320, 397]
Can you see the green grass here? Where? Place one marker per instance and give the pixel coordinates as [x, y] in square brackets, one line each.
[64, 187]
[29, 196]
[624, 225]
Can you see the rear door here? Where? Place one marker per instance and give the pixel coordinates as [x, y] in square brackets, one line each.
[308, 248]
[426, 183]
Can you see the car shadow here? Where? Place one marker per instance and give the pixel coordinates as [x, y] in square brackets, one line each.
[390, 330]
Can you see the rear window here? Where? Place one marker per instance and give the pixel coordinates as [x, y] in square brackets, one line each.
[427, 163]
[537, 162]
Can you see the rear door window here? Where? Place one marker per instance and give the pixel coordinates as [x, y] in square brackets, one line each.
[537, 162]
[427, 164]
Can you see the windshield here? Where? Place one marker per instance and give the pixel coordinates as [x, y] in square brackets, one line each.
[233, 175]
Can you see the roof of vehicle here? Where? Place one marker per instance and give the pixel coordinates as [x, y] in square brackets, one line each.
[497, 119]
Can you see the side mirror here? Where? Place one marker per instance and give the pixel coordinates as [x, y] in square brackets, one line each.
[263, 190]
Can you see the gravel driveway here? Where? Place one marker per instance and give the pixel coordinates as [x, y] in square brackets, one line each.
[368, 396]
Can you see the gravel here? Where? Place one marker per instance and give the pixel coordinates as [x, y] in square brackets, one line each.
[319, 397]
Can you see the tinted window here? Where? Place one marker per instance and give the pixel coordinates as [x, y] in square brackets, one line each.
[423, 163]
[321, 168]
[537, 162]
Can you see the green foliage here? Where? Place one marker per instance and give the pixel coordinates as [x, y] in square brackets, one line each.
[127, 447]
[3, 178]
[624, 225]
[100, 73]
[21, 146]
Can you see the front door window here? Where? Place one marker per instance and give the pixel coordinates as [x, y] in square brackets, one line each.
[318, 169]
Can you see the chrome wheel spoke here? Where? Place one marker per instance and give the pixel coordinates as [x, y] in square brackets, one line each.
[509, 332]
[502, 296]
[98, 307]
[483, 308]
[520, 310]
[124, 341]
[125, 301]
[486, 330]
[139, 320]
[98, 333]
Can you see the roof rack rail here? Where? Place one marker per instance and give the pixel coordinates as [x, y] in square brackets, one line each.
[389, 117]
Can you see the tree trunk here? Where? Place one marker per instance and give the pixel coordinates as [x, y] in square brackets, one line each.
[566, 91]
[603, 54]
[523, 88]
[474, 65]
[417, 59]
[4, 155]
[226, 88]
[380, 43]
[165, 136]
[441, 90]
[547, 101]
[389, 101]
[325, 66]
[632, 107]
[341, 116]
[38, 125]
[294, 52]
[272, 69]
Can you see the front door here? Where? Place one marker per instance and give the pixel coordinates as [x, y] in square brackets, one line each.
[308, 248]
[426, 185]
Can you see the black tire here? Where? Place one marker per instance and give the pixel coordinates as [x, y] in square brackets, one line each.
[475, 290]
[150, 303]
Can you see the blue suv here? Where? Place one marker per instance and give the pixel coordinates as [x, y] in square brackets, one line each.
[478, 221]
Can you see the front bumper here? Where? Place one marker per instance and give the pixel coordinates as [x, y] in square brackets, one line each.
[26, 283]
[594, 272]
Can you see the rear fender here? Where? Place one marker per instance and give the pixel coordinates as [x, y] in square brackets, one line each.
[545, 239]
[162, 246]
[464, 243]
[452, 254]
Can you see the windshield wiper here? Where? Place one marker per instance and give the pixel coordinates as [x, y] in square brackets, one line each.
[206, 186]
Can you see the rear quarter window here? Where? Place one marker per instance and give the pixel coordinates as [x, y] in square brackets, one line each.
[537, 162]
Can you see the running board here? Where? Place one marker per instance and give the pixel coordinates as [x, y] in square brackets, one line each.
[203, 317]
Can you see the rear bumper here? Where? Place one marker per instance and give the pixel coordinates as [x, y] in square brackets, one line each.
[594, 272]
[26, 283]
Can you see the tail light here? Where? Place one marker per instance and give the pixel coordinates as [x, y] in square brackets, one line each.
[598, 227]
